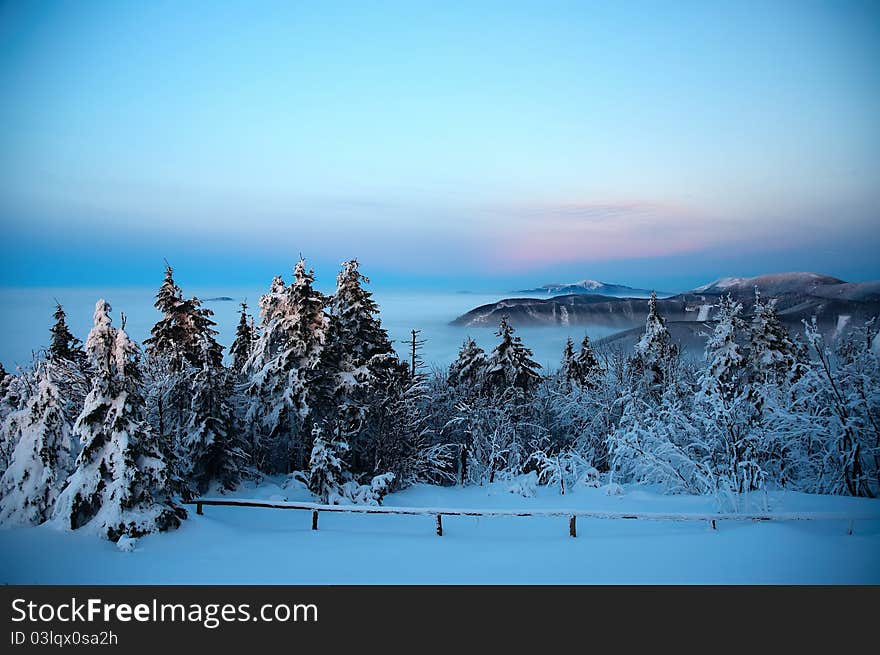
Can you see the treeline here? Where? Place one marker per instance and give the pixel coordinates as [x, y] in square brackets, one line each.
[111, 436]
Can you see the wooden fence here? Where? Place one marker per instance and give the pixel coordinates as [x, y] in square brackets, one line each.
[573, 515]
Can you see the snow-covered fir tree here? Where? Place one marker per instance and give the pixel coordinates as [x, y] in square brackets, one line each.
[186, 334]
[724, 351]
[362, 375]
[582, 368]
[283, 369]
[46, 450]
[119, 484]
[243, 345]
[589, 368]
[510, 363]
[655, 348]
[569, 369]
[189, 397]
[212, 450]
[469, 367]
[773, 356]
[63, 344]
[328, 470]
[14, 393]
[734, 440]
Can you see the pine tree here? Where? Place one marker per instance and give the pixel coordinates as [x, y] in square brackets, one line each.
[64, 345]
[243, 345]
[119, 484]
[45, 454]
[469, 367]
[510, 363]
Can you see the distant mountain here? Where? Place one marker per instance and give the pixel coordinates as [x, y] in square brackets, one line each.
[833, 302]
[592, 287]
[770, 285]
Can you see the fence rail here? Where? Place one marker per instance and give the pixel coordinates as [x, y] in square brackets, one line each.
[573, 515]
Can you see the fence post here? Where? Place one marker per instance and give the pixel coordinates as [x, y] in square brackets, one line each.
[439, 525]
[572, 527]
[315, 520]
[199, 508]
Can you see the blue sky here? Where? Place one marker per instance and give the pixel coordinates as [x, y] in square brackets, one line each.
[457, 144]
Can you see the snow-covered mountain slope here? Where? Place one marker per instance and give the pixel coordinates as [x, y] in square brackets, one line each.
[590, 287]
[772, 284]
[720, 284]
[799, 296]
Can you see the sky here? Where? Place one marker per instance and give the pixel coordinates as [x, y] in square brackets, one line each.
[459, 145]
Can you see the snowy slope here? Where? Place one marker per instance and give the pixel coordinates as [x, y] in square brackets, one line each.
[252, 546]
[773, 284]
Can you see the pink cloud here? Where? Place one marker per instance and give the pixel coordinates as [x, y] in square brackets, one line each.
[569, 232]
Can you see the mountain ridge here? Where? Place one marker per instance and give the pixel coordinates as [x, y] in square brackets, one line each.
[591, 287]
[799, 296]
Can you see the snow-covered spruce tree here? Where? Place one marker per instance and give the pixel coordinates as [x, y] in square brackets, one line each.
[283, 369]
[190, 394]
[582, 368]
[243, 345]
[212, 451]
[119, 484]
[64, 346]
[723, 406]
[724, 374]
[773, 357]
[493, 423]
[569, 371]
[582, 417]
[398, 427]
[589, 368]
[328, 470]
[46, 451]
[510, 364]
[655, 349]
[468, 369]
[362, 375]
[14, 393]
[185, 334]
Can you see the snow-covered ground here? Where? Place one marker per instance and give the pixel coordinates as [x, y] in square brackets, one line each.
[270, 546]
